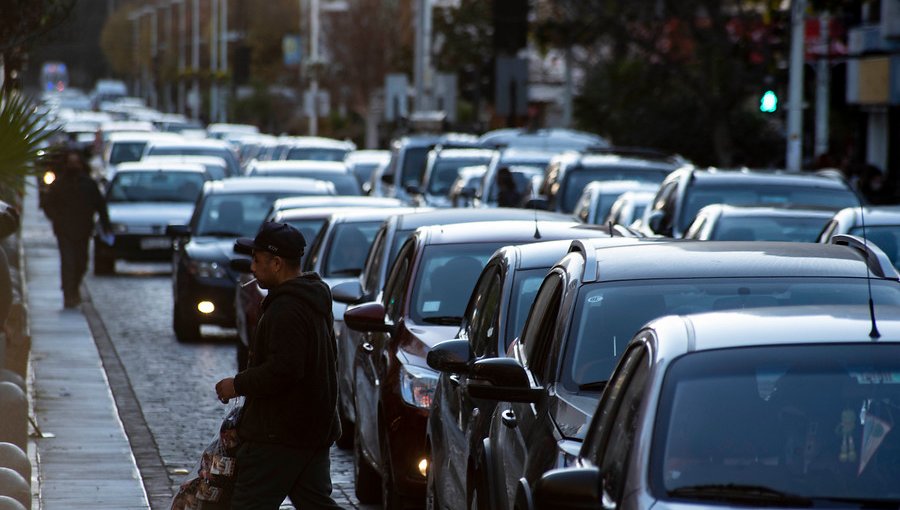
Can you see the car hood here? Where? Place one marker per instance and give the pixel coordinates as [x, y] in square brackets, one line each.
[422, 338]
[151, 213]
[572, 413]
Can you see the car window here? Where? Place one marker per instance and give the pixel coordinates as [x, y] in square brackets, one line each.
[483, 318]
[310, 229]
[350, 243]
[155, 186]
[123, 152]
[234, 214]
[768, 228]
[525, 287]
[373, 262]
[664, 201]
[445, 171]
[315, 248]
[414, 159]
[542, 321]
[886, 237]
[395, 288]
[316, 154]
[574, 181]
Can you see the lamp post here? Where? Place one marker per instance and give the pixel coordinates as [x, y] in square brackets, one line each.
[314, 62]
[223, 60]
[182, 31]
[195, 61]
[135, 18]
[794, 156]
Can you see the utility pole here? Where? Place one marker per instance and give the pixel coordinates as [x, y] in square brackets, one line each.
[154, 56]
[182, 49]
[213, 61]
[422, 64]
[314, 67]
[223, 61]
[170, 48]
[195, 60]
[135, 18]
[823, 85]
[794, 156]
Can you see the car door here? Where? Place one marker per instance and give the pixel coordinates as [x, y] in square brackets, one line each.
[516, 426]
[370, 365]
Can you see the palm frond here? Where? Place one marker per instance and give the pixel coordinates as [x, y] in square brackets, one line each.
[22, 136]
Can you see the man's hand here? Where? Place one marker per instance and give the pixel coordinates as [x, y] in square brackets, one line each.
[225, 390]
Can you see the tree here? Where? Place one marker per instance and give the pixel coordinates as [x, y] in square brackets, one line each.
[22, 135]
[23, 24]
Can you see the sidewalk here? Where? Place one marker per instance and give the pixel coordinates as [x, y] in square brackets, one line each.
[88, 463]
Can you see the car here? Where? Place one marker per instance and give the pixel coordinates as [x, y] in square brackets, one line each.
[591, 304]
[215, 166]
[202, 278]
[409, 155]
[629, 208]
[527, 167]
[548, 139]
[877, 224]
[388, 240]
[195, 147]
[143, 199]
[687, 190]
[316, 148]
[570, 172]
[788, 407]
[466, 185]
[423, 301]
[598, 198]
[332, 171]
[283, 204]
[441, 170]
[720, 222]
[338, 240]
[364, 162]
[221, 130]
[497, 308]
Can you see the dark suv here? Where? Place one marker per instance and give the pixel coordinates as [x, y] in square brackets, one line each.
[591, 304]
[423, 302]
[686, 191]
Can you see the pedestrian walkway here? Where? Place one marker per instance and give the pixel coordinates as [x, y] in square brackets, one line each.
[88, 461]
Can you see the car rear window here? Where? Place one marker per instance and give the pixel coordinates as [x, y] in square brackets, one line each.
[155, 186]
[350, 243]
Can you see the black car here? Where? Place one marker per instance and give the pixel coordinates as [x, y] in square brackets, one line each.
[409, 156]
[686, 191]
[591, 304]
[202, 282]
[493, 318]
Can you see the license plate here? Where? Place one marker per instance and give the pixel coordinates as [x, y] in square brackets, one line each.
[156, 243]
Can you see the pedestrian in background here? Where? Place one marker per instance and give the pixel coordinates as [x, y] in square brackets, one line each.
[289, 419]
[71, 202]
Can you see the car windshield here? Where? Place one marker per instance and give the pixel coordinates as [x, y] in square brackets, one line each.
[413, 165]
[350, 243]
[124, 152]
[576, 179]
[748, 194]
[609, 314]
[447, 273]
[445, 171]
[227, 155]
[525, 287]
[344, 184]
[809, 423]
[310, 228]
[155, 186]
[885, 237]
[234, 214]
[522, 176]
[774, 228]
[316, 154]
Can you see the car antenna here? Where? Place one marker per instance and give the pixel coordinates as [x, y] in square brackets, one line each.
[873, 333]
[537, 233]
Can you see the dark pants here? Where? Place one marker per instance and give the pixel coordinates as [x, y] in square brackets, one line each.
[267, 473]
[73, 258]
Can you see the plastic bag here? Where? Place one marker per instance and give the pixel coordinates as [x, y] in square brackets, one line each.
[210, 484]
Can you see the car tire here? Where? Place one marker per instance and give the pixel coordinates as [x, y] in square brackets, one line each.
[366, 479]
[431, 497]
[390, 497]
[348, 431]
[187, 329]
[104, 260]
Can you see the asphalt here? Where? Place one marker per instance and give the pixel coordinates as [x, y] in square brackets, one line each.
[81, 455]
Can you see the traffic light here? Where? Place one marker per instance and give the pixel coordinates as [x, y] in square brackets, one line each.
[768, 102]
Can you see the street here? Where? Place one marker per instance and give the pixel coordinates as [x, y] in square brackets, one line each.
[173, 382]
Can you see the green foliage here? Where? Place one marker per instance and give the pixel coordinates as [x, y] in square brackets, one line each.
[22, 135]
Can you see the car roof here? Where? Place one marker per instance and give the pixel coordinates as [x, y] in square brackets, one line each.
[457, 153]
[192, 142]
[548, 253]
[874, 215]
[786, 325]
[330, 167]
[619, 186]
[268, 185]
[154, 166]
[355, 215]
[187, 158]
[414, 220]
[142, 136]
[547, 137]
[367, 156]
[514, 155]
[507, 232]
[319, 141]
[424, 140]
[617, 160]
[642, 260]
[775, 177]
[733, 211]
[334, 201]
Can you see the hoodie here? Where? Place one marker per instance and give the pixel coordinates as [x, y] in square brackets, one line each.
[290, 383]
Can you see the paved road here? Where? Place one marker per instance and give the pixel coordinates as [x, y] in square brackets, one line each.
[173, 382]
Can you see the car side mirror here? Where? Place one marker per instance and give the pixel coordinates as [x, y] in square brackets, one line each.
[501, 379]
[539, 203]
[178, 231]
[347, 292]
[387, 179]
[451, 356]
[654, 220]
[367, 317]
[240, 265]
[568, 489]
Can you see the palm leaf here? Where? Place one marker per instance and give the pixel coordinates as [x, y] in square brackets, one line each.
[22, 136]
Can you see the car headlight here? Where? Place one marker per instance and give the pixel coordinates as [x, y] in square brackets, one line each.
[48, 177]
[204, 269]
[119, 228]
[417, 385]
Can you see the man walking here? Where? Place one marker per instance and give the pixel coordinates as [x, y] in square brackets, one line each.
[289, 419]
[70, 204]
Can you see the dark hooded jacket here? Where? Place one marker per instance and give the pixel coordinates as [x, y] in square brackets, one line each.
[71, 202]
[291, 376]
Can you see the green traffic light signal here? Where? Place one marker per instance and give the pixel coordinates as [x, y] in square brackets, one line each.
[768, 103]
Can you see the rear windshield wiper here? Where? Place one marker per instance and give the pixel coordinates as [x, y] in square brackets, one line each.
[443, 320]
[219, 233]
[354, 271]
[739, 492]
[593, 386]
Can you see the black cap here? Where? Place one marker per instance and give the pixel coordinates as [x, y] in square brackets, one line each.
[276, 238]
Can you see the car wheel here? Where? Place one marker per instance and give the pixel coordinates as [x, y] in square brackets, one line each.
[365, 478]
[390, 498]
[104, 260]
[345, 442]
[187, 329]
[431, 498]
